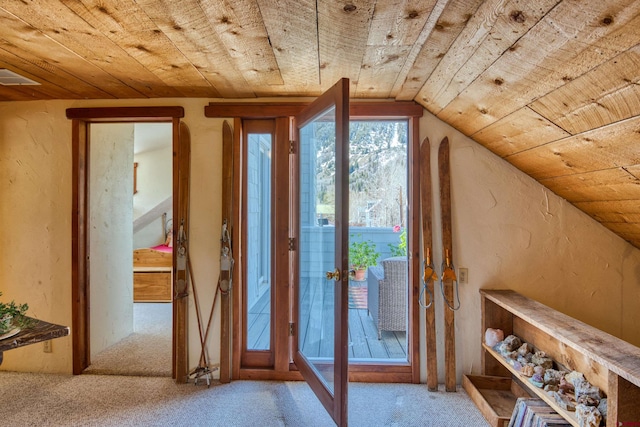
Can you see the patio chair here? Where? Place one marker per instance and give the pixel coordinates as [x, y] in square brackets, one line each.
[387, 295]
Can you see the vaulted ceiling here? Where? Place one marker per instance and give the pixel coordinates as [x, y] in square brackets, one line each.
[551, 86]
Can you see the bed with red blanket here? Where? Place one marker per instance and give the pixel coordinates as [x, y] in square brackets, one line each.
[152, 269]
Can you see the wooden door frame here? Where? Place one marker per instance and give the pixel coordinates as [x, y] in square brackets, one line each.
[80, 263]
[258, 358]
[282, 112]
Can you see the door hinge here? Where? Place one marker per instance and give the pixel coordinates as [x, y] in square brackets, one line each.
[292, 244]
[291, 328]
[292, 147]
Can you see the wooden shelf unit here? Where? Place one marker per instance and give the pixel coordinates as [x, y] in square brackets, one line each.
[606, 361]
[495, 396]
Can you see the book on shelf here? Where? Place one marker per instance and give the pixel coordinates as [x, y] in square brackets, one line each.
[534, 412]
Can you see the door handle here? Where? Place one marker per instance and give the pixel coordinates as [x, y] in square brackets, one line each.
[333, 275]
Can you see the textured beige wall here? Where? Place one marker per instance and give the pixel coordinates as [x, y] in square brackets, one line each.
[110, 233]
[35, 216]
[512, 233]
[508, 231]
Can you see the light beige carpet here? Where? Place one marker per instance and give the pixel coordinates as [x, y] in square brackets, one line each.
[123, 399]
[109, 400]
[146, 352]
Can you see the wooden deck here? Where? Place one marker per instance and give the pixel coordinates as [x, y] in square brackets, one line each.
[316, 329]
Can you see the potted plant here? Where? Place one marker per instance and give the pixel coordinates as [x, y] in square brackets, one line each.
[362, 254]
[13, 318]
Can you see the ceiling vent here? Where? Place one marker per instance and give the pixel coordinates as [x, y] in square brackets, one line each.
[9, 78]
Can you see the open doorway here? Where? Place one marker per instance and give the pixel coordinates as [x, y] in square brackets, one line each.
[130, 247]
[81, 286]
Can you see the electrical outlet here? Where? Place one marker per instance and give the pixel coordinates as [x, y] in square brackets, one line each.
[47, 348]
[463, 276]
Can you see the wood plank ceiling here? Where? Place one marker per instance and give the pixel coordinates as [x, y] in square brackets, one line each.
[551, 86]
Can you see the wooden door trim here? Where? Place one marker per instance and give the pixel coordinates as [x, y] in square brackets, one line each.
[80, 286]
[80, 248]
[125, 114]
[230, 363]
[281, 203]
[413, 246]
[359, 109]
[259, 358]
[181, 192]
[278, 358]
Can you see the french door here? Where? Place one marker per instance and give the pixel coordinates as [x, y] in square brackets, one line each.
[292, 321]
[321, 274]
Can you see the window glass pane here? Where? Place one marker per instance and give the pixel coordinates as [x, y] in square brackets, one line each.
[258, 284]
[317, 245]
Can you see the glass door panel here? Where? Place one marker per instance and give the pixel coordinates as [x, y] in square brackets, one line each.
[317, 245]
[322, 268]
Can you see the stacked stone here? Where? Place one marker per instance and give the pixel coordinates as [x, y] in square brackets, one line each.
[570, 390]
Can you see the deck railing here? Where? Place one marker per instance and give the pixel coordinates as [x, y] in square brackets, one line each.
[316, 256]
